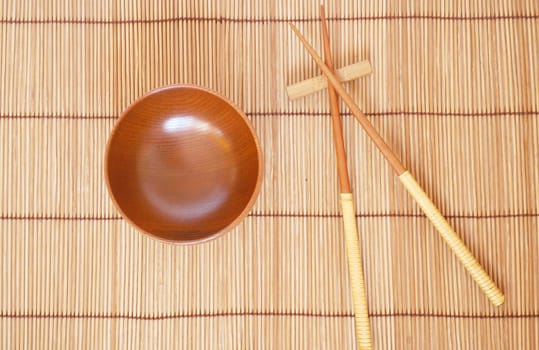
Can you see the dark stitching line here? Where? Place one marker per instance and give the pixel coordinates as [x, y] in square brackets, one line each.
[59, 117]
[60, 218]
[277, 215]
[390, 113]
[263, 314]
[301, 114]
[267, 20]
[396, 215]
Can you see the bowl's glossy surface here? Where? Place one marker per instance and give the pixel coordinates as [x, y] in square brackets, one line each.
[183, 164]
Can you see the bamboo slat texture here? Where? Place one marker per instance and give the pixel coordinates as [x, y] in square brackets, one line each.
[454, 91]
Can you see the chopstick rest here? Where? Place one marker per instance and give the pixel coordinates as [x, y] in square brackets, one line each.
[319, 83]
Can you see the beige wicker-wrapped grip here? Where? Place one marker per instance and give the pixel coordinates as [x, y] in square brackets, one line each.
[355, 267]
[459, 248]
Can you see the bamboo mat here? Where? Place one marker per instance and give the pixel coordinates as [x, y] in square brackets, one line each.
[454, 92]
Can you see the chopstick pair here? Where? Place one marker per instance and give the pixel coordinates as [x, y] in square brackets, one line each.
[473, 267]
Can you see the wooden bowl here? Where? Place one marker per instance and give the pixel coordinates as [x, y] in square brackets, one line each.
[183, 164]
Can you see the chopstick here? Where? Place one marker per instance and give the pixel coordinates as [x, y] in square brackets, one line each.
[353, 251]
[473, 267]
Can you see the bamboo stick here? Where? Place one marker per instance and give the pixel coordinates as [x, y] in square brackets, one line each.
[310, 86]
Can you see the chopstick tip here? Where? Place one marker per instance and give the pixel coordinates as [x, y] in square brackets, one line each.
[293, 27]
[322, 13]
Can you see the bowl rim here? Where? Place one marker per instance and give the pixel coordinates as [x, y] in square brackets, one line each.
[254, 195]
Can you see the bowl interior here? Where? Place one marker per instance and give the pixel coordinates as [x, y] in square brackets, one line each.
[183, 164]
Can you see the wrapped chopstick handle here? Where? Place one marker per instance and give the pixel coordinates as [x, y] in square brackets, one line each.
[355, 267]
[477, 272]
